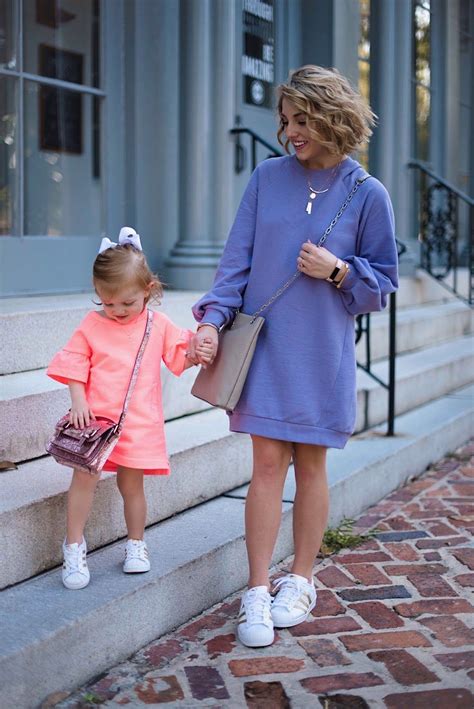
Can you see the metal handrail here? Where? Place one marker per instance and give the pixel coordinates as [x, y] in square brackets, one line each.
[424, 167]
[438, 229]
[239, 164]
[362, 321]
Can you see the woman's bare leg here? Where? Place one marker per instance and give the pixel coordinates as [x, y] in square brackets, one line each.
[271, 459]
[311, 505]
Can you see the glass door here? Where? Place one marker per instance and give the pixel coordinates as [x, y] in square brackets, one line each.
[52, 97]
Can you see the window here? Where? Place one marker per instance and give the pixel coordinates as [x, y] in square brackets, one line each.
[51, 97]
[364, 67]
[422, 78]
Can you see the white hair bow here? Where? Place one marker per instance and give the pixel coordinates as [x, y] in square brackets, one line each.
[127, 236]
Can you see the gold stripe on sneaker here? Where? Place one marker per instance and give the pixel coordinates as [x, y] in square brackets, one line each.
[301, 605]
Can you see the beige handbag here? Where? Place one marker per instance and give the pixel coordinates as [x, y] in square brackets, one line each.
[221, 383]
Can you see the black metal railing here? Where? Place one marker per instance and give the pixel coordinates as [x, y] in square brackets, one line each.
[445, 227]
[240, 159]
[362, 321]
[363, 328]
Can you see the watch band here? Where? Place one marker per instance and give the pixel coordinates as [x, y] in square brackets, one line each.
[336, 271]
[341, 280]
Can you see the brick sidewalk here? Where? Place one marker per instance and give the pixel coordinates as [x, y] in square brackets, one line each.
[390, 629]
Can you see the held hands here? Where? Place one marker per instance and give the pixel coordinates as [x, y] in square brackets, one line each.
[315, 261]
[203, 346]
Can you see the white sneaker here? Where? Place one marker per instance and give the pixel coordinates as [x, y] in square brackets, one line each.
[75, 572]
[255, 625]
[294, 601]
[136, 557]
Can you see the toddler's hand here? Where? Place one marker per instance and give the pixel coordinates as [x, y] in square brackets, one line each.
[207, 334]
[80, 415]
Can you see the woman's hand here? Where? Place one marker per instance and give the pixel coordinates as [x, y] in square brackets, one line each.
[316, 261]
[80, 414]
[204, 345]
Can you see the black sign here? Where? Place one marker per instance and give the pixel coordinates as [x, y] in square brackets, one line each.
[258, 56]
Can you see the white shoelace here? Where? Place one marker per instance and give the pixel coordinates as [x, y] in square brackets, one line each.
[290, 591]
[74, 559]
[257, 607]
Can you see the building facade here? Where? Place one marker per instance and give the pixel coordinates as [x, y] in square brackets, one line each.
[118, 112]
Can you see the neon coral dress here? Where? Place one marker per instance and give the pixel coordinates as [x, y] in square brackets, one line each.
[101, 354]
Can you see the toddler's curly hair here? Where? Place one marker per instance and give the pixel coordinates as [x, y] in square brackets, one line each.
[125, 266]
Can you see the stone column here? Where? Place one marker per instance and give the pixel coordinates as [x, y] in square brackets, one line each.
[225, 76]
[346, 20]
[439, 108]
[383, 85]
[456, 91]
[392, 100]
[193, 259]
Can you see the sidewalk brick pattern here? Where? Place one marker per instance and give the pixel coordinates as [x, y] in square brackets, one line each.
[392, 627]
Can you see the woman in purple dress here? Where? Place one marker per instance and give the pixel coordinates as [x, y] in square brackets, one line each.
[299, 398]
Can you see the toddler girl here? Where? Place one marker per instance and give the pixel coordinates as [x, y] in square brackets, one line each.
[96, 364]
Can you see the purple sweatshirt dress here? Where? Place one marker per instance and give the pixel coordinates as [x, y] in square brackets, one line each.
[301, 386]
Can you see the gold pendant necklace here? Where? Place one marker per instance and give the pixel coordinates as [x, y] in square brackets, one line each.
[313, 193]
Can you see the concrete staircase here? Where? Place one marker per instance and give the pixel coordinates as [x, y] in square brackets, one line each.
[49, 639]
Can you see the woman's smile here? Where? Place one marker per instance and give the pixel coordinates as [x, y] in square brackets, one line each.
[299, 144]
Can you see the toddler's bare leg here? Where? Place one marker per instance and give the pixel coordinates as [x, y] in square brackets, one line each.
[130, 484]
[79, 503]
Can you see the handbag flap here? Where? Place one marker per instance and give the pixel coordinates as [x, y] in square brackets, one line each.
[95, 430]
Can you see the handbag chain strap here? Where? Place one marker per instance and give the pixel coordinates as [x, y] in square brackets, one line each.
[329, 229]
[136, 367]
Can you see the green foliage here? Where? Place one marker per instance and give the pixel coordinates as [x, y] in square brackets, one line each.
[90, 698]
[342, 537]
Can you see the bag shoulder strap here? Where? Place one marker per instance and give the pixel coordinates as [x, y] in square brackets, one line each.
[359, 181]
[136, 368]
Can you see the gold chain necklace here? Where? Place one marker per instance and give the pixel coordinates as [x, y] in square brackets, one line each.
[313, 193]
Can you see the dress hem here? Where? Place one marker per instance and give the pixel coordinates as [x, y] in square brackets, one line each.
[287, 431]
[111, 466]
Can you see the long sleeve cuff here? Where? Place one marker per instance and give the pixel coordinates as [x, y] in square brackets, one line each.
[350, 280]
[213, 317]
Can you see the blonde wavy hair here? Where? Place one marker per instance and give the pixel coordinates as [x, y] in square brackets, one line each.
[337, 116]
[122, 267]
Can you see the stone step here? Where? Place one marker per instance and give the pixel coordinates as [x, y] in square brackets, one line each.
[422, 376]
[66, 637]
[419, 327]
[48, 321]
[206, 460]
[34, 397]
[45, 323]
